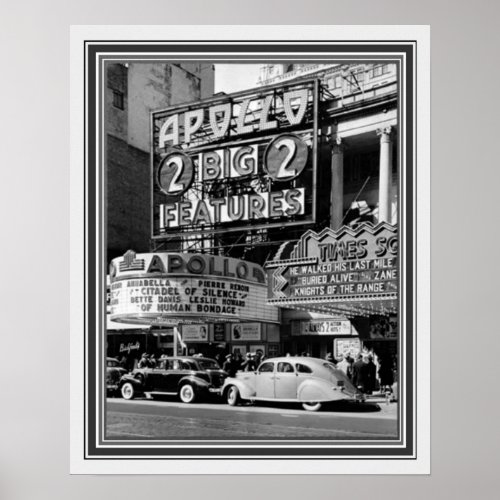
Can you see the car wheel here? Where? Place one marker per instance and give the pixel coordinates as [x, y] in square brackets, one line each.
[312, 406]
[127, 390]
[187, 393]
[232, 396]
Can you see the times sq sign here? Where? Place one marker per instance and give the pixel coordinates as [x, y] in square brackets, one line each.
[236, 162]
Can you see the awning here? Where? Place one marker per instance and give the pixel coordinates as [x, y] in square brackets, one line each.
[349, 308]
[113, 326]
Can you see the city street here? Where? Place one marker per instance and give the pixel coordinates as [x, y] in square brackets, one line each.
[170, 419]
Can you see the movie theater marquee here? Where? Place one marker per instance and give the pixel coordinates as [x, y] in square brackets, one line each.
[238, 162]
[177, 288]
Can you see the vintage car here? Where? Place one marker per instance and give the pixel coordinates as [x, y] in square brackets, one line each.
[186, 377]
[306, 380]
[114, 373]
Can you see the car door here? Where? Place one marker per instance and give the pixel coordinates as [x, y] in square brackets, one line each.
[285, 381]
[159, 376]
[156, 377]
[264, 381]
[172, 375]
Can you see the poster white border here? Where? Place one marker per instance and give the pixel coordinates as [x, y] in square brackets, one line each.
[421, 463]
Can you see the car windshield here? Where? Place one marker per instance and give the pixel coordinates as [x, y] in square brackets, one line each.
[209, 364]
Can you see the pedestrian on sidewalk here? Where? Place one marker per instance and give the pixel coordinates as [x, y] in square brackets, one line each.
[370, 370]
[144, 361]
[345, 364]
[386, 375]
[152, 361]
[249, 364]
[229, 365]
[359, 373]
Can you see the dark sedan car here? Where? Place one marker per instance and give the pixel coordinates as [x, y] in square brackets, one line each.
[186, 377]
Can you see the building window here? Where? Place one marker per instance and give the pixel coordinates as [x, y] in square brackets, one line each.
[377, 71]
[118, 99]
[383, 69]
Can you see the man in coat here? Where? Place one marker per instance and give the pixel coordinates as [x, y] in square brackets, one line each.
[249, 365]
[359, 373]
[229, 365]
[371, 375]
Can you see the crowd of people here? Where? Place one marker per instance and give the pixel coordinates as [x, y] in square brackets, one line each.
[231, 363]
[236, 362]
[368, 372]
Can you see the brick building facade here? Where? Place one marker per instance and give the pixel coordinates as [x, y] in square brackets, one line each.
[127, 131]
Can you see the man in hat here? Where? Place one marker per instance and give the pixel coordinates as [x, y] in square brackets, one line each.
[249, 364]
[144, 361]
[229, 365]
[152, 361]
[259, 357]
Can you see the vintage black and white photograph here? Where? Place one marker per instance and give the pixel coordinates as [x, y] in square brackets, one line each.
[250, 250]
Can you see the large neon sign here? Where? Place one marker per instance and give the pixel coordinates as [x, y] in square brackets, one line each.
[236, 162]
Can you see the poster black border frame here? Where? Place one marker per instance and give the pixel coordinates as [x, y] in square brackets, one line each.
[92, 48]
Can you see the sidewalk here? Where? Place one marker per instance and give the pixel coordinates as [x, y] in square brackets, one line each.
[380, 398]
[388, 407]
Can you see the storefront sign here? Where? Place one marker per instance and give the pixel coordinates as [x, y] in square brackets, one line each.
[167, 288]
[243, 332]
[129, 347]
[321, 327]
[195, 333]
[344, 347]
[231, 162]
[338, 266]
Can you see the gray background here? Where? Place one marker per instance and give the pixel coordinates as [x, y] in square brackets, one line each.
[34, 346]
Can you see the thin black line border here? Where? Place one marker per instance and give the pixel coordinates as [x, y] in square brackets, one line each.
[93, 48]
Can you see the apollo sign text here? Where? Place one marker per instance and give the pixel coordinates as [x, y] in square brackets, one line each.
[234, 162]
